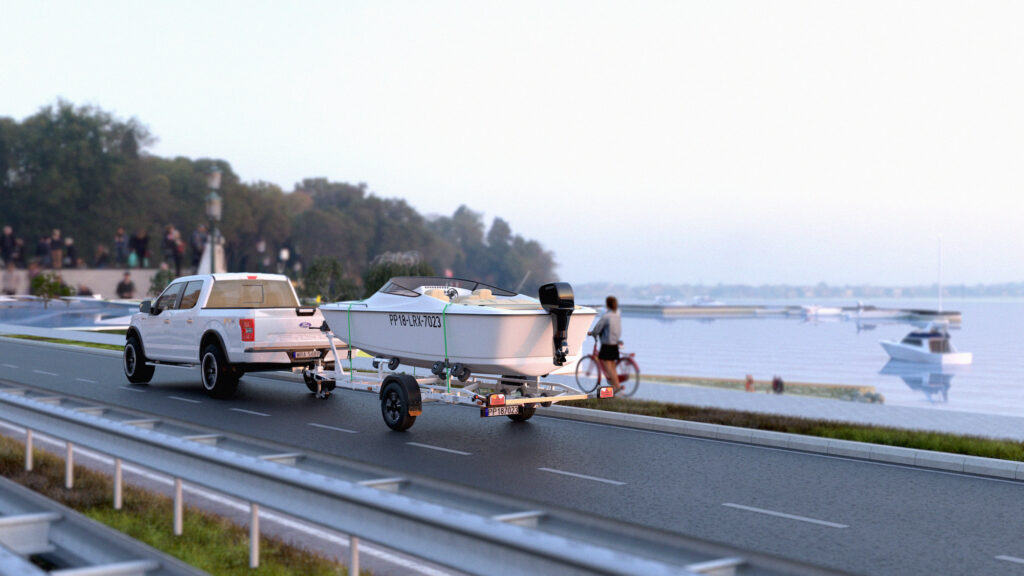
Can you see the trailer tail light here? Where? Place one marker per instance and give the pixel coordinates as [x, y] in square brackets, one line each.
[606, 392]
[496, 400]
[248, 326]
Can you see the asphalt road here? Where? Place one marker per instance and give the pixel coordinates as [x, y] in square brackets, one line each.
[845, 514]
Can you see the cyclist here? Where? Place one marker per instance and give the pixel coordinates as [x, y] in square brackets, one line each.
[609, 329]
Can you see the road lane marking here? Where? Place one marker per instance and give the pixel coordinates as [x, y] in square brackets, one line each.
[440, 449]
[583, 476]
[314, 531]
[9, 366]
[86, 380]
[326, 427]
[248, 412]
[45, 372]
[1013, 559]
[131, 389]
[784, 515]
[185, 399]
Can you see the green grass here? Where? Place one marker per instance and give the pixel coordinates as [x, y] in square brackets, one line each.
[65, 341]
[209, 542]
[939, 442]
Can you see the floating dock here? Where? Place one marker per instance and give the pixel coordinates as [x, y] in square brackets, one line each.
[757, 311]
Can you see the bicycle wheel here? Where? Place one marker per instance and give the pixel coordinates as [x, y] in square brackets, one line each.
[588, 373]
[629, 376]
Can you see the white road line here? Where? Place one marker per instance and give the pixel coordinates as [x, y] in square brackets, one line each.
[131, 389]
[783, 515]
[342, 541]
[248, 412]
[583, 476]
[86, 380]
[326, 427]
[9, 366]
[45, 372]
[1013, 559]
[185, 399]
[440, 449]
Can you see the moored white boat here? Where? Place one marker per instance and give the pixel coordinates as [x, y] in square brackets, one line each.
[931, 346]
[424, 321]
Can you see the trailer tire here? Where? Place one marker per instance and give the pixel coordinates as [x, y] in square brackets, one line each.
[220, 379]
[134, 362]
[395, 402]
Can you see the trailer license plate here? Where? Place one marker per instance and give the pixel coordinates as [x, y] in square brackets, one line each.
[499, 410]
[306, 354]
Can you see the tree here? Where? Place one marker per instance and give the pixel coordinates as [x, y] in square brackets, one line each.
[325, 280]
[49, 286]
[387, 268]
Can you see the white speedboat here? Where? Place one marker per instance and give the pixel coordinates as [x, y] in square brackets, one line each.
[426, 321]
[931, 346]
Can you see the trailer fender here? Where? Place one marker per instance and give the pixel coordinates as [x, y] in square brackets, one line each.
[411, 388]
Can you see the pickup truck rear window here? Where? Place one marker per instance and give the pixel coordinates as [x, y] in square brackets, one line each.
[252, 294]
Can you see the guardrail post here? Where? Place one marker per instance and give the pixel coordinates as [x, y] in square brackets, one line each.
[118, 482]
[69, 467]
[28, 450]
[178, 508]
[254, 535]
[353, 555]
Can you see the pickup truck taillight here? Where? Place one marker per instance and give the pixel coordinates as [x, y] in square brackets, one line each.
[248, 326]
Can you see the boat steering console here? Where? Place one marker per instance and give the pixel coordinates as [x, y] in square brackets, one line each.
[558, 300]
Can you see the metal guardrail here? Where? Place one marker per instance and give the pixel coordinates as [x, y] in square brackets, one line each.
[33, 526]
[368, 509]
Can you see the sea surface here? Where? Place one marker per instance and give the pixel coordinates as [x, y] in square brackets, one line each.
[841, 351]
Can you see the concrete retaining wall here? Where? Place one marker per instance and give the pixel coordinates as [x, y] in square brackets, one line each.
[102, 282]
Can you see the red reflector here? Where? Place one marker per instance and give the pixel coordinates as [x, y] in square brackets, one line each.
[251, 277]
[496, 400]
[248, 326]
[606, 392]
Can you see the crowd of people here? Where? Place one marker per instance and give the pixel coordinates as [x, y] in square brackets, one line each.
[56, 252]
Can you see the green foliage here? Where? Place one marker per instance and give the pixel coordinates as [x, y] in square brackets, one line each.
[86, 172]
[381, 272]
[49, 286]
[325, 279]
[159, 281]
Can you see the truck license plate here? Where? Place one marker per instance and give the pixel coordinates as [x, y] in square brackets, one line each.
[306, 354]
[499, 410]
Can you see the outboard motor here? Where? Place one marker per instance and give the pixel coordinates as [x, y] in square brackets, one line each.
[557, 299]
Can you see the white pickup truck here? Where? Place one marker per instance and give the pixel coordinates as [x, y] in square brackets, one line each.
[228, 324]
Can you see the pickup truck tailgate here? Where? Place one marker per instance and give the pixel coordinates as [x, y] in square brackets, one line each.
[287, 329]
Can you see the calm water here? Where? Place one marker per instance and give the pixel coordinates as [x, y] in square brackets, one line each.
[841, 352]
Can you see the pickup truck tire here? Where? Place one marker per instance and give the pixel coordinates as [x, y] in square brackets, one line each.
[134, 362]
[219, 378]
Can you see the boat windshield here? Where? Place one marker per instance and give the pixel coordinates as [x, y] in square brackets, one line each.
[415, 285]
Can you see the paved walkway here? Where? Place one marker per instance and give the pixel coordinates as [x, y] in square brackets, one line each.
[938, 420]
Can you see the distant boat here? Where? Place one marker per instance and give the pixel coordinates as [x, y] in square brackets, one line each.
[868, 311]
[706, 301]
[815, 311]
[930, 346]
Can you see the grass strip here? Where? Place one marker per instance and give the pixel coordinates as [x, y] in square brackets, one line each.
[209, 542]
[65, 341]
[919, 439]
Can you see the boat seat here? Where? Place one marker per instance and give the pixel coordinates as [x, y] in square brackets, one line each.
[482, 293]
[437, 293]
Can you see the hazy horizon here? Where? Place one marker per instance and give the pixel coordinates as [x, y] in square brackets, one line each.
[673, 142]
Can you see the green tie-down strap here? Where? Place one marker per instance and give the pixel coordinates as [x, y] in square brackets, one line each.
[444, 331]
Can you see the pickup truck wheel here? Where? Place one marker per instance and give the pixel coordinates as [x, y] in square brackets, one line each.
[135, 367]
[219, 379]
[394, 406]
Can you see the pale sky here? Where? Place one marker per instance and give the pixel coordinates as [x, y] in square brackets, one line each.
[738, 142]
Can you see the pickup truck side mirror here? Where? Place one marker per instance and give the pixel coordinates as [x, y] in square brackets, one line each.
[145, 306]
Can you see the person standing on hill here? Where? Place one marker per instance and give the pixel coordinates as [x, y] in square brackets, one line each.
[140, 247]
[7, 245]
[609, 330]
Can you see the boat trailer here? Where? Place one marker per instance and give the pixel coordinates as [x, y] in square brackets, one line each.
[402, 396]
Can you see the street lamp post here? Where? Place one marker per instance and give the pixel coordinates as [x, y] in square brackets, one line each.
[214, 206]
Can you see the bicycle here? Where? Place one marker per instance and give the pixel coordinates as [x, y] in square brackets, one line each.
[589, 372]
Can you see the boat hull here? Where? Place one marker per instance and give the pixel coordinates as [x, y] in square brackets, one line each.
[898, 351]
[515, 343]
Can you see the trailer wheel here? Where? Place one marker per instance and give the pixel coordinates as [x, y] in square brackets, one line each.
[394, 406]
[526, 411]
[135, 367]
[219, 379]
